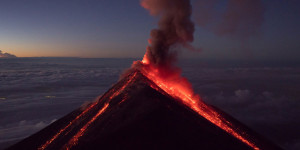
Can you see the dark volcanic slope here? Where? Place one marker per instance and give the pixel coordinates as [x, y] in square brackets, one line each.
[132, 115]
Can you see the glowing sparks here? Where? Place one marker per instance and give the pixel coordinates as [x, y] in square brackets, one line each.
[179, 88]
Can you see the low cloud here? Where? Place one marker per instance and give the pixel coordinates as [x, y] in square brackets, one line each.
[242, 95]
[21, 130]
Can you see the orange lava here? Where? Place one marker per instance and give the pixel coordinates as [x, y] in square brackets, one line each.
[114, 94]
[73, 141]
[179, 88]
[75, 138]
[125, 97]
[62, 130]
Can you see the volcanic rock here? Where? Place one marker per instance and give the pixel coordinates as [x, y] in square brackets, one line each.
[136, 114]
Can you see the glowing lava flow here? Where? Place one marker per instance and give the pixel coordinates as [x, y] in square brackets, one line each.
[63, 129]
[179, 88]
[114, 94]
[75, 138]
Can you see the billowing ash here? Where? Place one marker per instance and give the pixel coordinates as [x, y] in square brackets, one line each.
[175, 29]
[239, 19]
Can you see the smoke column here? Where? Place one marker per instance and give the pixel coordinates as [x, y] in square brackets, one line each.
[175, 30]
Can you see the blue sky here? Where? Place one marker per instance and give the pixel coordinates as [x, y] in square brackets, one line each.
[100, 28]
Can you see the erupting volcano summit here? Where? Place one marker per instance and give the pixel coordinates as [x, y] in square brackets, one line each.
[152, 107]
[138, 114]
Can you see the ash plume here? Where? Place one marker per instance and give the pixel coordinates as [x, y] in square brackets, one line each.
[6, 55]
[175, 29]
[241, 18]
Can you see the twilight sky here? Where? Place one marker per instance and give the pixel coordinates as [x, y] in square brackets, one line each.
[118, 28]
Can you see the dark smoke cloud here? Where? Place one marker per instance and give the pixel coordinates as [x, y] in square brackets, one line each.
[6, 55]
[241, 19]
[175, 29]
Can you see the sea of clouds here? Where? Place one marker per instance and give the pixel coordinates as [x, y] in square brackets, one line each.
[35, 92]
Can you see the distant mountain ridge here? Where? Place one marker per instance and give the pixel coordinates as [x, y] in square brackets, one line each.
[6, 55]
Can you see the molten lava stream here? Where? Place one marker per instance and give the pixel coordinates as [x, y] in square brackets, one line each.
[178, 89]
[76, 137]
[115, 93]
[63, 129]
[73, 141]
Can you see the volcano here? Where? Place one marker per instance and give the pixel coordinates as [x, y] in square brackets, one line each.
[137, 114]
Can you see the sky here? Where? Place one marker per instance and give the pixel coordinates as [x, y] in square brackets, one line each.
[118, 28]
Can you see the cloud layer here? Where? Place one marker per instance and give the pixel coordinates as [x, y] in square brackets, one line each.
[33, 92]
